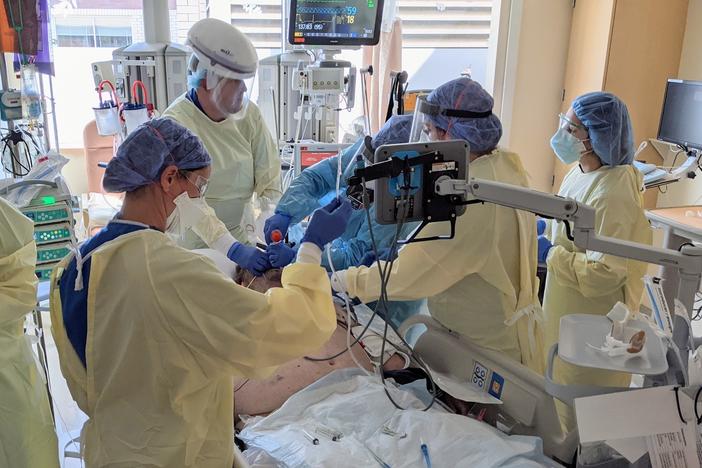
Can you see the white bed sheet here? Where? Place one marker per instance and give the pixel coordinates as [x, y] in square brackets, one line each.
[356, 405]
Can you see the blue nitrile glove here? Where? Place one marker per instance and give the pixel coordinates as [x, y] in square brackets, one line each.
[280, 254]
[544, 246]
[278, 221]
[249, 258]
[369, 258]
[328, 222]
[540, 227]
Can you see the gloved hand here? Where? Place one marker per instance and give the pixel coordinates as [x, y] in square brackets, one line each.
[544, 246]
[249, 258]
[280, 254]
[369, 258]
[278, 221]
[540, 227]
[328, 222]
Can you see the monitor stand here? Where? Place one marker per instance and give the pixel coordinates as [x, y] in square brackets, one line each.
[325, 59]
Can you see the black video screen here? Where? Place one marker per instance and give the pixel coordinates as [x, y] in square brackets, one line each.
[681, 119]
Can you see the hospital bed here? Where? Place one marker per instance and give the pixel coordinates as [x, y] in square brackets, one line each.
[356, 404]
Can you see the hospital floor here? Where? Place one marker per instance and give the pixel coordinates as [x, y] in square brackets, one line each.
[69, 418]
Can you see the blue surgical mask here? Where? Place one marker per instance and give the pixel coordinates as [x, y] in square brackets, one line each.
[566, 146]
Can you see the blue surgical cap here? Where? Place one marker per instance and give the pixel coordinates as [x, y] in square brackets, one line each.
[395, 131]
[464, 94]
[148, 150]
[608, 125]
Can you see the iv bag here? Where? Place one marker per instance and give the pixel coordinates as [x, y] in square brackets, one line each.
[31, 96]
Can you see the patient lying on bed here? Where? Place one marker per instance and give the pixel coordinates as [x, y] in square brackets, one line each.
[260, 397]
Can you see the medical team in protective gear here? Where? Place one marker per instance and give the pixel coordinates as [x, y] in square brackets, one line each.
[150, 334]
[27, 436]
[596, 132]
[355, 246]
[482, 283]
[244, 155]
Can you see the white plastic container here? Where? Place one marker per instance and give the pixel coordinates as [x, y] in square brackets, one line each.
[107, 112]
[134, 115]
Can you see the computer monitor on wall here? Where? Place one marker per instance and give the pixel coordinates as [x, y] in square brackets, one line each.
[681, 118]
[328, 23]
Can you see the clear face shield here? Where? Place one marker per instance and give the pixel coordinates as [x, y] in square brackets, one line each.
[426, 114]
[421, 122]
[232, 95]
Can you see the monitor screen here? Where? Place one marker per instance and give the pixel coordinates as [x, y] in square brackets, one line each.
[309, 154]
[681, 118]
[310, 157]
[335, 23]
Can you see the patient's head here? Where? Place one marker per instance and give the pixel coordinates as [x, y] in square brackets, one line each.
[270, 279]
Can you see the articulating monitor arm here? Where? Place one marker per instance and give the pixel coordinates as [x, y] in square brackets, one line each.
[688, 261]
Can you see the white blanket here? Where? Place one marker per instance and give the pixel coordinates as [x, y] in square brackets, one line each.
[356, 405]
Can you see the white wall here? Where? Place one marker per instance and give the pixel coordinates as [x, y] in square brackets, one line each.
[688, 191]
[535, 71]
[74, 91]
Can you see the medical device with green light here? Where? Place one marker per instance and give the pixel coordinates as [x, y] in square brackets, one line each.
[51, 210]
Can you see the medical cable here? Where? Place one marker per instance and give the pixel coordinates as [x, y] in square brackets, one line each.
[345, 296]
[299, 121]
[384, 278]
[364, 99]
[384, 298]
[382, 302]
[675, 158]
[307, 121]
[348, 331]
[688, 244]
[697, 397]
[384, 274]
[376, 457]
[349, 344]
[569, 234]
[356, 341]
[15, 137]
[697, 310]
[677, 401]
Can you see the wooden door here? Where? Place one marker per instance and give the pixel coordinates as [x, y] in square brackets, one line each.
[645, 49]
[587, 58]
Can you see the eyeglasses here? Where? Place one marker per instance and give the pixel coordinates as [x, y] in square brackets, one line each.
[572, 126]
[200, 182]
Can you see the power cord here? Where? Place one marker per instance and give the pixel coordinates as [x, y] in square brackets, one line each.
[16, 139]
